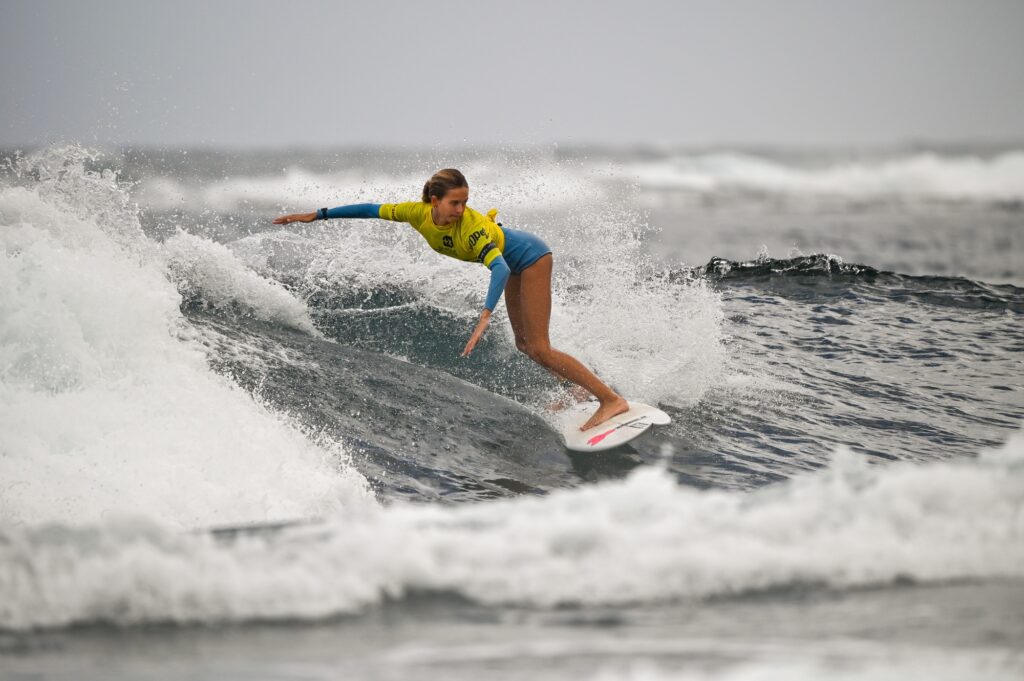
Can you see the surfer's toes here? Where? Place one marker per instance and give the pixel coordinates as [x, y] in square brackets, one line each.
[605, 412]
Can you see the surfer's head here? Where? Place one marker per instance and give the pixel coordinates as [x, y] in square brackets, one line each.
[447, 192]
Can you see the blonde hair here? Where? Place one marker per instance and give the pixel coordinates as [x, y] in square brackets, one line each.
[441, 182]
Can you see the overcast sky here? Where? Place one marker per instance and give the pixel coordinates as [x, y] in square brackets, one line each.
[421, 73]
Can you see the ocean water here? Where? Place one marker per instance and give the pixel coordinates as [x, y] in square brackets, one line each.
[230, 449]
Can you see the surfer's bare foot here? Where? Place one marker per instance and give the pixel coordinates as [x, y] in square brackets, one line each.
[607, 410]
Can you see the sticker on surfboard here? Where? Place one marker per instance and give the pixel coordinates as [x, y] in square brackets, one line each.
[614, 432]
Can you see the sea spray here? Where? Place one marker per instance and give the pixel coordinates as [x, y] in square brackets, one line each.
[654, 337]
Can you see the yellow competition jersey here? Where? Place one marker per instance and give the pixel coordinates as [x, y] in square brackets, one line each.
[474, 237]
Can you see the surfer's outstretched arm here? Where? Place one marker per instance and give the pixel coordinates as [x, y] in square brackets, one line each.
[357, 210]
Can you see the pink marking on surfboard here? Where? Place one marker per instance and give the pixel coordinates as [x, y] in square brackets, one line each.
[597, 438]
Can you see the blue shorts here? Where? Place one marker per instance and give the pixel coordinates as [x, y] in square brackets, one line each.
[522, 249]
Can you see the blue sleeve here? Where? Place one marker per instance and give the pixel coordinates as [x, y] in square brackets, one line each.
[358, 210]
[499, 275]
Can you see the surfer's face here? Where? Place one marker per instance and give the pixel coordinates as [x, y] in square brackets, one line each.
[450, 207]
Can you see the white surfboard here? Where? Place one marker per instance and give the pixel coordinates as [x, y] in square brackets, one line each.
[616, 431]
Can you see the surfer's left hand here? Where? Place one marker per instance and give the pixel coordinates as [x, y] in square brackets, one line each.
[295, 217]
[478, 332]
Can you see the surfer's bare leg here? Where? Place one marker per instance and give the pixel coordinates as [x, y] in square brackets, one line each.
[515, 317]
[515, 311]
[533, 300]
[513, 304]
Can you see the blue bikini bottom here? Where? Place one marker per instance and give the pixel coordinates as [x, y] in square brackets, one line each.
[522, 249]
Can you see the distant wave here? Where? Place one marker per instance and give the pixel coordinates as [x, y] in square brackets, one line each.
[298, 187]
[925, 176]
[920, 176]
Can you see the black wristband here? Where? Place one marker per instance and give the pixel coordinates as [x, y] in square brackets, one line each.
[321, 214]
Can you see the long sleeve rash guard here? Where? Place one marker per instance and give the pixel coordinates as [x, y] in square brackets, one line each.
[473, 238]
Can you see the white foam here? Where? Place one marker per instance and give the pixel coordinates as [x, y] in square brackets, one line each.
[925, 175]
[651, 339]
[639, 540]
[106, 406]
[210, 271]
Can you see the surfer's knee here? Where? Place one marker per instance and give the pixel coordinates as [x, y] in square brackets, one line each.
[541, 354]
[522, 346]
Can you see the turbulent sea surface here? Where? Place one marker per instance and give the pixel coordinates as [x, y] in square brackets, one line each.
[230, 449]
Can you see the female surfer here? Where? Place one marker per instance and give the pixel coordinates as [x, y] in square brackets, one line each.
[520, 263]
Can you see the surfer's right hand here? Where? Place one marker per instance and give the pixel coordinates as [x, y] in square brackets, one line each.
[295, 217]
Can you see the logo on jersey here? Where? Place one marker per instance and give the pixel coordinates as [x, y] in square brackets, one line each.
[448, 241]
[476, 236]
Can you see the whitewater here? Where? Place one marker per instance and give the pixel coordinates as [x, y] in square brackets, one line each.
[218, 432]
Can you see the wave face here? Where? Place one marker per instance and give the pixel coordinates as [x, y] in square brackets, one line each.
[107, 404]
